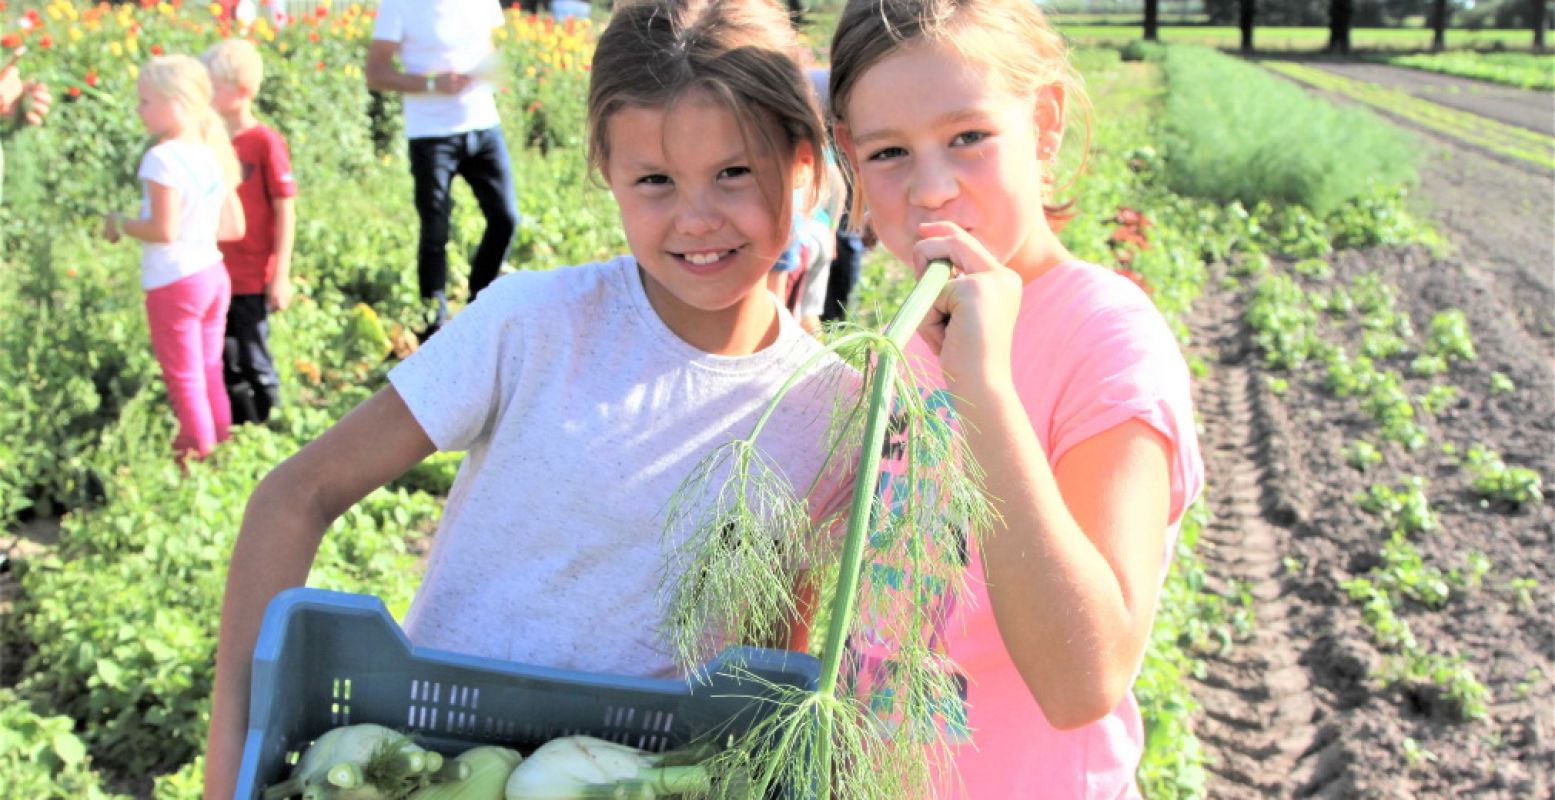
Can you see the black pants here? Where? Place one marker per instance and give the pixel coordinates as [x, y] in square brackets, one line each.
[252, 385]
[481, 158]
[844, 274]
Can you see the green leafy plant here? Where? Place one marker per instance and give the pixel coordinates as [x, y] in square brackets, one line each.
[1404, 508]
[743, 519]
[1449, 674]
[1501, 384]
[1449, 336]
[1494, 480]
[1439, 398]
[1362, 455]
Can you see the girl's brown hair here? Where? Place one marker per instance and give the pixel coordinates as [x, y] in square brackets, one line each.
[744, 53]
[1010, 38]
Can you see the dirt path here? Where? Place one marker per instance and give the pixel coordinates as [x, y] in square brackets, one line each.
[1500, 220]
[1525, 108]
[1259, 709]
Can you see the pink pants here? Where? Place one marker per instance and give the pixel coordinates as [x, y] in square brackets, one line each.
[188, 324]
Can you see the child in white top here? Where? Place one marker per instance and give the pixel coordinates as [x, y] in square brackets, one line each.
[585, 395]
[189, 200]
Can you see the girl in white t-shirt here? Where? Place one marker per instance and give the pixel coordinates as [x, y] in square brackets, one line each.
[189, 199]
[585, 395]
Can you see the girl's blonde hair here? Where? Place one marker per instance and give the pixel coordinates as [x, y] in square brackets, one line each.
[1010, 38]
[183, 80]
[744, 53]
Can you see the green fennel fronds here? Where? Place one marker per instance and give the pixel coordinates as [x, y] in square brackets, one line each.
[732, 577]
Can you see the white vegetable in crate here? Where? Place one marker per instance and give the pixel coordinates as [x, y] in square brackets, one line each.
[586, 768]
[485, 776]
[362, 762]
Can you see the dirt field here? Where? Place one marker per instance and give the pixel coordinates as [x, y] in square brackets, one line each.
[1522, 107]
[1297, 711]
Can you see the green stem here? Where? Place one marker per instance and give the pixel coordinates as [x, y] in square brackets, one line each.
[900, 328]
[291, 787]
[918, 303]
[676, 780]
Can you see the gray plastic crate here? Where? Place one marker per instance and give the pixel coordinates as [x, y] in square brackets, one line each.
[325, 659]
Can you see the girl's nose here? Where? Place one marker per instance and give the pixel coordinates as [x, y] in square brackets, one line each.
[697, 216]
[933, 185]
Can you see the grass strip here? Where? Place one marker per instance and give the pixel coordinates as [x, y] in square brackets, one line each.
[1506, 140]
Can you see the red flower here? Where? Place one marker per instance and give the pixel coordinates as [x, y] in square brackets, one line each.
[75, 91]
[148, 3]
[319, 66]
[156, 50]
[321, 12]
[91, 77]
[33, 17]
[46, 42]
[11, 41]
[2, 5]
[313, 37]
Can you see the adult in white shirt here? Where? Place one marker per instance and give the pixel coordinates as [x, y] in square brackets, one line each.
[451, 122]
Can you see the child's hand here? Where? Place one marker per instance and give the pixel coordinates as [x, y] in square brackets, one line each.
[972, 323]
[278, 295]
[38, 102]
[451, 83]
[112, 231]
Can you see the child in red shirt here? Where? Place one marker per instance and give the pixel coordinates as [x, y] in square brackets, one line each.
[260, 262]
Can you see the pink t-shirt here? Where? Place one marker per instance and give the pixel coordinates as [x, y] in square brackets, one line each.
[1090, 352]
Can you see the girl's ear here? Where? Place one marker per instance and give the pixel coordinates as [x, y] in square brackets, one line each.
[1050, 121]
[844, 139]
[804, 174]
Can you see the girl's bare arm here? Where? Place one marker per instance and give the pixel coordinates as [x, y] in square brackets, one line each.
[1073, 566]
[285, 519]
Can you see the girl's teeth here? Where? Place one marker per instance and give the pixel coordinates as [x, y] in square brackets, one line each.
[702, 259]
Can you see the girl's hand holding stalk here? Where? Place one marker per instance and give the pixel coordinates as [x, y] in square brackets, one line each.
[972, 324]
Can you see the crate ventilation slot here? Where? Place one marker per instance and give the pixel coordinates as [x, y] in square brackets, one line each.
[340, 702]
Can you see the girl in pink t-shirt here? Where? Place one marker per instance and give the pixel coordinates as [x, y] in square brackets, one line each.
[1066, 380]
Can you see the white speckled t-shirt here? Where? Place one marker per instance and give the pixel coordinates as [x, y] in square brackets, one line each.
[582, 413]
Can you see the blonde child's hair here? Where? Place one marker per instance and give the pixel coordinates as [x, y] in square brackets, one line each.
[236, 61]
[742, 52]
[183, 80]
[1010, 38]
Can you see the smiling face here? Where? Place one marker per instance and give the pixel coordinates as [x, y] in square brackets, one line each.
[702, 218]
[965, 149]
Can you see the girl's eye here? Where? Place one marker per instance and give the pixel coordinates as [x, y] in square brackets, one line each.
[887, 153]
[654, 180]
[969, 137]
[734, 172]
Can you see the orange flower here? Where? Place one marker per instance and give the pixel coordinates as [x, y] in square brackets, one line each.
[91, 77]
[156, 50]
[46, 42]
[75, 91]
[314, 36]
[11, 41]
